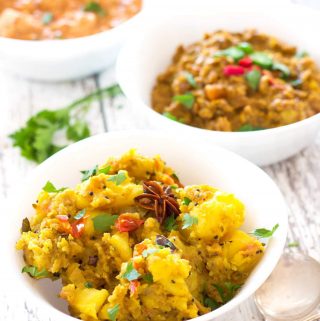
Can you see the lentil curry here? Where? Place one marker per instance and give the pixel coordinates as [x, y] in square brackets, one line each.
[61, 19]
[130, 243]
[238, 82]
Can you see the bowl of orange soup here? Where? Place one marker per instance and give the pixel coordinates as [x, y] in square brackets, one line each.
[60, 40]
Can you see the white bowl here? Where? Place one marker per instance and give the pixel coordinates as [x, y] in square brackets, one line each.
[195, 163]
[148, 54]
[66, 59]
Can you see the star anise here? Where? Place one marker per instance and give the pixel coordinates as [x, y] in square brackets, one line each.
[158, 199]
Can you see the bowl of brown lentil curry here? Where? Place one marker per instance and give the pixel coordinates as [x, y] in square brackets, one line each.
[242, 80]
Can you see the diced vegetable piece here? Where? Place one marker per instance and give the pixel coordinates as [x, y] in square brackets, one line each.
[261, 59]
[253, 79]
[233, 70]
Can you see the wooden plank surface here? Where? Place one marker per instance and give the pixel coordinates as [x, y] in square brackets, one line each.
[298, 177]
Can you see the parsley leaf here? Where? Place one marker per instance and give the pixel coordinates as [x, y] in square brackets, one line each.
[188, 221]
[118, 178]
[112, 312]
[172, 117]
[264, 233]
[148, 278]
[36, 139]
[186, 201]
[131, 273]
[102, 223]
[80, 214]
[170, 223]
[147, 252]
[47, 18]
[34, 272]
[50, 188]
[88, 285]
[94, 7]
[187, 100]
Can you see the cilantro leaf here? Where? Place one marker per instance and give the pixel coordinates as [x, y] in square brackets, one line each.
[105, 170]
[80, 214]
[88, 285]
[103, 222]
[131, 273]
[112, 312]
[249, 128]
[170, 223]
[210, 303]
[147, 252]
[190, 79]
[148, 278]
[264, 233]
[188, 221]
[186, 201]
[261, 59]
[227, 290]
[34, 272]
[172, 117]
[245, 47]
[187, 100]
[36, 139]
[281, 67]
[234, 52]
[94, 7]
[253, 78]
[118, 178]
[50, 188]
[89, 173]
[47, 18]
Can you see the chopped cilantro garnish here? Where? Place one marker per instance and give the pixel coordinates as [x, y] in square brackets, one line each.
[113, 312]
[253, 78]
[34, 272]
[261, 59]
[249, 128]
[296, 83]
[77, 131]
[80, 214]
[190, 79]
[47, 18]
[105, 170]
[131, 273]
[50, 188]
[94, 7]
[188, 221]
[227, 290]
[170, 116]
[281, 67]
[103, 222]
[186, 201]
[148, 278]
[245, 47]
[94, 171]
[264, 233]
[234, 52]
[88, 285]
[187, 100]
[118, 178]
[211, 303]
[170, 223]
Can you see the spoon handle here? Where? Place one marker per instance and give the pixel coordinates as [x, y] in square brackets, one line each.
[313, 317]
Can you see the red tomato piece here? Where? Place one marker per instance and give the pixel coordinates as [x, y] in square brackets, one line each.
[127, 223]
[233, 70]
[77, 229]
[245, 62]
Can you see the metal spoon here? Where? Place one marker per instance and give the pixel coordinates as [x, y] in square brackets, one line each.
[292, 291]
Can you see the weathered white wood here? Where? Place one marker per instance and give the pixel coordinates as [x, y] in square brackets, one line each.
[298, 177]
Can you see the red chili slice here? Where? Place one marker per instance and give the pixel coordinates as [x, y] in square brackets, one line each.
[134, 286]
[245, 62]
[233, 70]
[127, 223]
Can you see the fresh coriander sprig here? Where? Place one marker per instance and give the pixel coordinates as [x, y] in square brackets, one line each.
[36, 138]
[264, 233]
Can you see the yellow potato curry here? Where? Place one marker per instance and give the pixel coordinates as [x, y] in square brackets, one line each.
[131, 243]
[61, 19]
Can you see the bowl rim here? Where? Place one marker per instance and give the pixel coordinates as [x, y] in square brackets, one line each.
[277, 249]
[123, 77]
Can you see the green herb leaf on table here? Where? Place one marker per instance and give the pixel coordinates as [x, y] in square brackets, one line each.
[103, 222]
[234, 52]
[118, 178]
[131, 273]
[36, 139]
[261, 59]
[170, 224]
[88, 285]
[94, 7]
[80, 214]
[264, 233]
[281, 67]
[187, 100]
[148, 278]
[253, 78]
[47, 18]
[294, 244]
[186, 201]
[34, 272]
[147, 252]
[50, 188]
[188, 221]
[113, 312]
[245, 47]
[249, 128]
[190, 79]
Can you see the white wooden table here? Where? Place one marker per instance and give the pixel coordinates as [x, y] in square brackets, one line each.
[298, 177]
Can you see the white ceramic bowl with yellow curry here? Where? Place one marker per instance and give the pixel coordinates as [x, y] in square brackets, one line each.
[143, 226]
